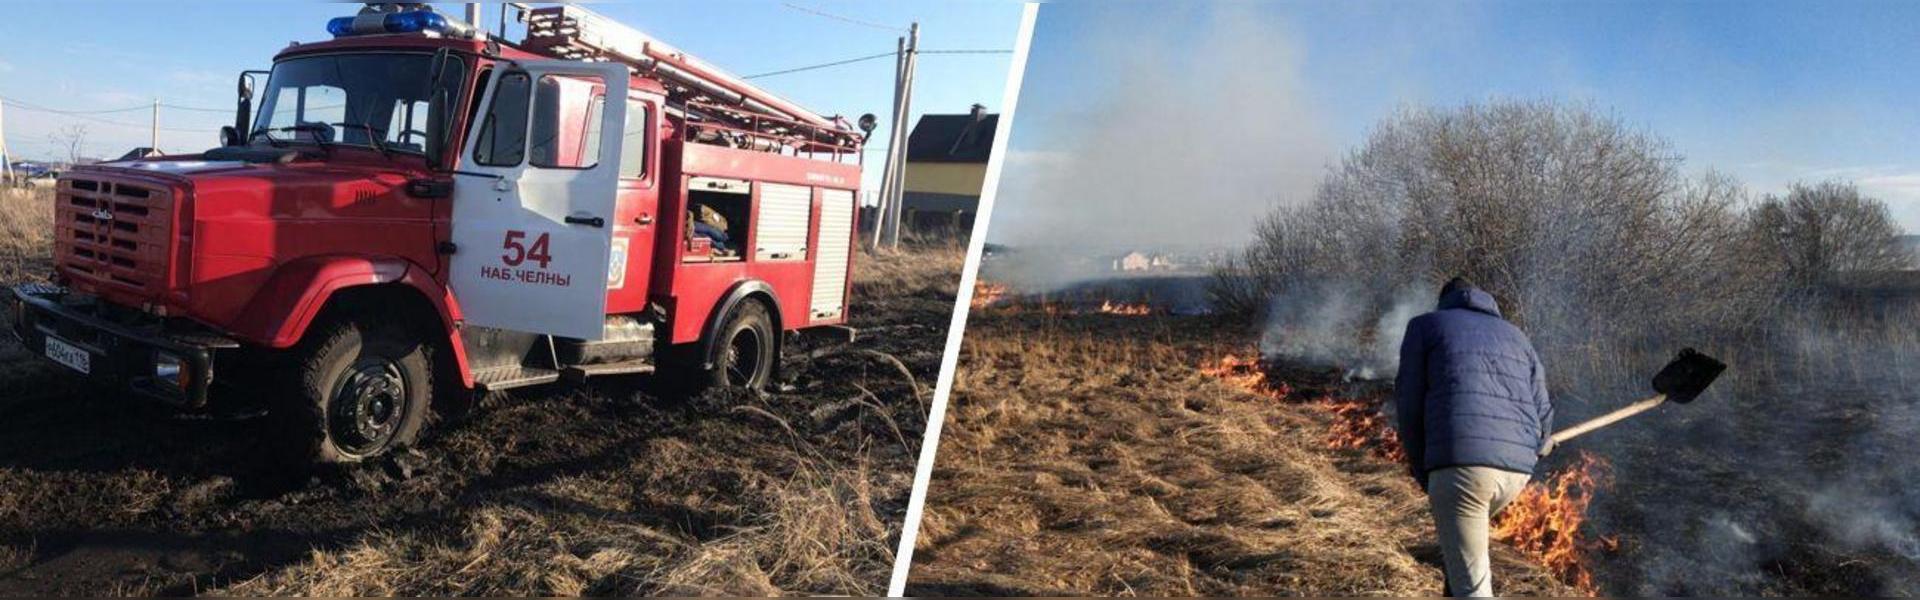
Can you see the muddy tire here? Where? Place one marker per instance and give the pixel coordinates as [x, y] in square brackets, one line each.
[356, 388]
[747, 349]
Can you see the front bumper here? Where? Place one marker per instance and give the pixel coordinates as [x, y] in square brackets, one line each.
[124, 347]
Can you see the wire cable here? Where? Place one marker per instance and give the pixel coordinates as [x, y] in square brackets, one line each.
[89, 117]
[821, 13]
[197, 108]
[31, 106]
[872, 57]
[820, 66]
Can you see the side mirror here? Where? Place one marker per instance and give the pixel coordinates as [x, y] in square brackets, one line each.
[436, 145]
[867, 123]
[230, 136]
[243, 110]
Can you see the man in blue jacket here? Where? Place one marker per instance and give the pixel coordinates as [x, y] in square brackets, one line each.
[1474, 417]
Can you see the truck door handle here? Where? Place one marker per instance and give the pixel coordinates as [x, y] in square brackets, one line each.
[644, 219]
[592, 221]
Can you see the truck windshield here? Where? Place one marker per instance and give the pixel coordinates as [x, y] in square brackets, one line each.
[354, 99]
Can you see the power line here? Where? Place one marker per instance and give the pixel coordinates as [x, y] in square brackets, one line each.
[820, 66]
[844, 19]
[88, 112]
[32, 106]
[88, 116]
[873, 57]
[197, 108]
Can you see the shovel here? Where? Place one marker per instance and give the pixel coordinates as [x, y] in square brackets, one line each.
[1679, 382]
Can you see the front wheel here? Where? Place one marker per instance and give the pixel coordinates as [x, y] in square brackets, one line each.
[359, 388]
[747, 349]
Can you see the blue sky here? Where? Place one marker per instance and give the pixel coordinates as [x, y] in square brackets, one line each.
[1770, 92]
[90, 55]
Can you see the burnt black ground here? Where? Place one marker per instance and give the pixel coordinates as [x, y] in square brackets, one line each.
[100, 494]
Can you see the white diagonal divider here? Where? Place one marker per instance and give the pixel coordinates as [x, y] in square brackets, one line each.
[916, 505]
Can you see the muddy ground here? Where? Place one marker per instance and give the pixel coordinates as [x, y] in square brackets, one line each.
[605, 488]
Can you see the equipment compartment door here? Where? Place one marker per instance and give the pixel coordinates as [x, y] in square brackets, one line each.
[831, 260]
[533, 201]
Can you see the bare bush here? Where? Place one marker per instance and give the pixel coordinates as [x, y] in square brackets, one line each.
[72, 140]
[1568, 216]
[1823, 230]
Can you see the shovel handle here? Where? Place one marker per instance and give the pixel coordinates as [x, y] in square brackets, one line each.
[1608, 419]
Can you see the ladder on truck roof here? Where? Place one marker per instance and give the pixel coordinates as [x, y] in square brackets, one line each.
[720, 107]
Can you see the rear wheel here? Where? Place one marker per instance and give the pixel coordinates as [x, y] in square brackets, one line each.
[746, 349]
[360, 387]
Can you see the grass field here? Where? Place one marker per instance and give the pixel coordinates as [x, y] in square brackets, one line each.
[1090, 454]
[607, 488]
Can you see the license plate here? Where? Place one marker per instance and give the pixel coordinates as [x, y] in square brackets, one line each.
[68, 354]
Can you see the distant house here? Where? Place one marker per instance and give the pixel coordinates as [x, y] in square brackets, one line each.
[946, 168]
[1141, 261]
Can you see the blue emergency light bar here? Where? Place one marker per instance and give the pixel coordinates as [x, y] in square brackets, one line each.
[412, 21]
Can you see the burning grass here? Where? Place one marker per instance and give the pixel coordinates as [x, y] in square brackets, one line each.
[1543, 523]
[1092, 455]
[1357, 424]
[1001, 296]
[987, 293]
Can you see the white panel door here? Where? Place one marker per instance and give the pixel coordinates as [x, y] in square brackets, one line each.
[836, 250]
[781, 231]
[533, 201]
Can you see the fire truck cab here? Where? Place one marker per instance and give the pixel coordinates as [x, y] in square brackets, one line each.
[418, 212]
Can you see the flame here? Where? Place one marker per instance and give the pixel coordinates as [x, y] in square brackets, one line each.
[1138, 309]
[1544, 522]
[995, 294]
[987, 293]
[1359, 424]
[1246, 374]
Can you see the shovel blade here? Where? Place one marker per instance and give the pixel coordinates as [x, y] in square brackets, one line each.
[1687, 376]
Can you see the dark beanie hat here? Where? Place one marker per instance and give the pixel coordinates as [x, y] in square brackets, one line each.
[1456, 284]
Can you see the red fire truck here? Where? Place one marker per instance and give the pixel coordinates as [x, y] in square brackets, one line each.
[419, 211]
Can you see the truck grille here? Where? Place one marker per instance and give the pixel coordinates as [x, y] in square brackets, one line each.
[114, 233]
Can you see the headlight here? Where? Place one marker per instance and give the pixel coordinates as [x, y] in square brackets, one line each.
[170, 371]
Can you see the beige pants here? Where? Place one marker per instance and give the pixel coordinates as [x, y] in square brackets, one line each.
[1464, 501]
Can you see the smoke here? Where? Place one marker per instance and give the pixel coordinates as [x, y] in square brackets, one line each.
[1317, 325]
[1153, 138]
[1815, 419]
[1790, 476]
[1862, 520]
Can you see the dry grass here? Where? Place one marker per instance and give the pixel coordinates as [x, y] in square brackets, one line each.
[1088, 455]
[814, 532]
[603, 489]
[798, 493]
[918, 270]
[26, 233]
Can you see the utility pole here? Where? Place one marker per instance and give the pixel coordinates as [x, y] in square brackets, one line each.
[6, 157]
[898, 201]
[153, 139]
[888, 172]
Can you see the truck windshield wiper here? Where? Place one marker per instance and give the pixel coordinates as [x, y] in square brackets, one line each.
[373, 137]
[313, 130]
